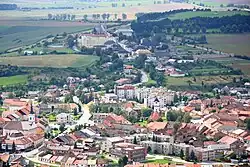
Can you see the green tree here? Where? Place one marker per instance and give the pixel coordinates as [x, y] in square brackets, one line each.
[149, 149]
[248, 124]
[75, 112]
[192, 156]
[135, 141]
[146, 112]
[123, 161]
[181, 154]
[62, 127]
[85, 17]
[13, 150]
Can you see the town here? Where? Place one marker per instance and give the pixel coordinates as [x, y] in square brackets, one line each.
[153, 97]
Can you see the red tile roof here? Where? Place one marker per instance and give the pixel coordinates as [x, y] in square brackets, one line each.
[154, 116]
[227, 140]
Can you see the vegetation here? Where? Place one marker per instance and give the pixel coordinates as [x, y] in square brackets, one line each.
[231, 43]
[178, 116]
[62, 61]
[12, 80]
[8, 70]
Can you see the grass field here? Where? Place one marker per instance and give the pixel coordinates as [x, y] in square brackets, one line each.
[18, 79]
[158, 161]
[20, 33]
[186, 15]
[230, 43]
[60, 61]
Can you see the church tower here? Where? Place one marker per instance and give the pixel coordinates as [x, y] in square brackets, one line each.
[32, 114]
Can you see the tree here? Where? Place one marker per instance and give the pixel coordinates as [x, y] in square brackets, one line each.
[70, 41]
[135, 141]
[6, 148]
[146, 112]
[149, 149]
[13, 150]
[75, 145]
[62, 127]
[124, 16]
[181, 154]
[192, 156]
[123, 161]
[50, 16]
[75, 112]
[104, 16]
[248, 124]
[85, 17]
[116, 15]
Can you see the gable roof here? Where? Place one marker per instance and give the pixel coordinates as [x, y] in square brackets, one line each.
[157, 125]
[19, 125]
[227, 140]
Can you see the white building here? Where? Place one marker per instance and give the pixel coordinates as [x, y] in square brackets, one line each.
[125, 91]
[124, 31]
[158, 147]
[91, 40]
[109, 143]
[64, 118]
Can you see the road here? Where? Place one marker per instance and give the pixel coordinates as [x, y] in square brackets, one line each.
[84, 119]
[144, 77]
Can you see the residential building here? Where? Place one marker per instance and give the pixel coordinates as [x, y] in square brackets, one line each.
[165, 148]
[64, 118]
[125, 91]
[124, 31]
[91, 40]
[25, 127]
[109, 143]
[100, 117]
[135, 153]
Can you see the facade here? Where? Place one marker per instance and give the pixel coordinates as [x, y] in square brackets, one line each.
[135, 153]
[64, 118]
[158, 147]
[100, 117]
[24, 127]
[125, 92]
[126, 32]
[91, 40]
[109, 143]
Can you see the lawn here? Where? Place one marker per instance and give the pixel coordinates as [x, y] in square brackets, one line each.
[18, 79]
[143, 123]
[231, 43]
[186, 15]
[28, 32]
[59, 61]
[158, 161]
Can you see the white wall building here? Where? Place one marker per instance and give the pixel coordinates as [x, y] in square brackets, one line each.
[125, 91]
[64, 118]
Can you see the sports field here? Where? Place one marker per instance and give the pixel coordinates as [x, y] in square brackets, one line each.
[59, 61]
[18, 79]
[230, 43]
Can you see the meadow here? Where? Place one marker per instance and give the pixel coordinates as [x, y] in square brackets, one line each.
[58, 61]
[23, 32]
[18, 79]
[230, 43]
[186, 15]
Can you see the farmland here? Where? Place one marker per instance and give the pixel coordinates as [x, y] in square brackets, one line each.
[20, 33]
[186, 15]
[183, 83]
[59, 61]
[18, 79]
[230, 43]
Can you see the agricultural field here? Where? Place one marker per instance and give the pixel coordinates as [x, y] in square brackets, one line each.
[81, 8]
[186, 15]
[18, 79]
[208, 80]
[230, 43]
[217, 3]
[236, 63]
[20, 33]
[58, 61]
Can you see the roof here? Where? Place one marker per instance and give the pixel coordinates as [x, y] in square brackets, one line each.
[14, 102]
[227, 140]
[19, 125]
[157, 125]
[154, 116]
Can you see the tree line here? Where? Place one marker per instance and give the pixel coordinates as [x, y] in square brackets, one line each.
[232, 24]
[142, 17]
[8, 70]
[61, 17]
[8, 6]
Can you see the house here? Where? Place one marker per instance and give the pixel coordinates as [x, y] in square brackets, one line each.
[128, 69]
[28, 52]
[233, 143]
[64, 118]
[13, 104]
[157, 126]
[164, 148]
[115, 119]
